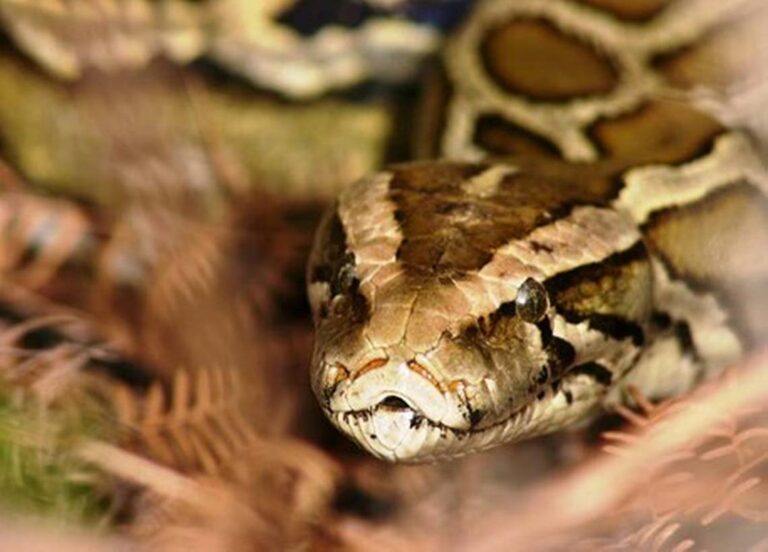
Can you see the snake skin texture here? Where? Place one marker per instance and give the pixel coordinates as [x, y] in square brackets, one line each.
[593, 223]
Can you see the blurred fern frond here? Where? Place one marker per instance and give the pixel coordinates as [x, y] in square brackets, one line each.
[194, 425]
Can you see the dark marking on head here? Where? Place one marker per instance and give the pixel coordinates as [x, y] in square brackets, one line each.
[334, 264]
[345, 280]
[594, 271]
[560, 356]
[472, 331]
[605, 293]
[505, 311]
[328, 393]
[613, 326]
[507, 308]
[433, 177]
[685, 339]
[425, 195]
[594, 370]
[535, 59]
[568, 396]
[450, 232]
[661, 320]
[416, 420]
[332, 247]
[545, 329]
[353, 306]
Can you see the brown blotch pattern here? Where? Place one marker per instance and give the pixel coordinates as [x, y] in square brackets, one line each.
[717, 244]
[532, 58]
[659, 132]
[450, 232]
[498, 136]
[630, 10]
[716, 239]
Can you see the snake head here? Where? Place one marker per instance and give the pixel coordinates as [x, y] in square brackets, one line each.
[452, 316]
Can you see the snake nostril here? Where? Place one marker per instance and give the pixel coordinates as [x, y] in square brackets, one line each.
[395, 403]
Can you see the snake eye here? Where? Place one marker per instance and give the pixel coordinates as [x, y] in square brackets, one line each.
[531, 302]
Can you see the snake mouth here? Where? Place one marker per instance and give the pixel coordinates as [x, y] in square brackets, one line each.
[394, 402]
[391, 429]
[395, 431]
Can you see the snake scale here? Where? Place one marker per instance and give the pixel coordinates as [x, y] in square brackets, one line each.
[595, 218]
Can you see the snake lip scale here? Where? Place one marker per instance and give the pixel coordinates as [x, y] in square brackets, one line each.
[360, 418]
[446, 442]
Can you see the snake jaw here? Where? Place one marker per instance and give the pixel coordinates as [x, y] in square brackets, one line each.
[401, 408]
[395, 431]
[368, 388]
[397, 408]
